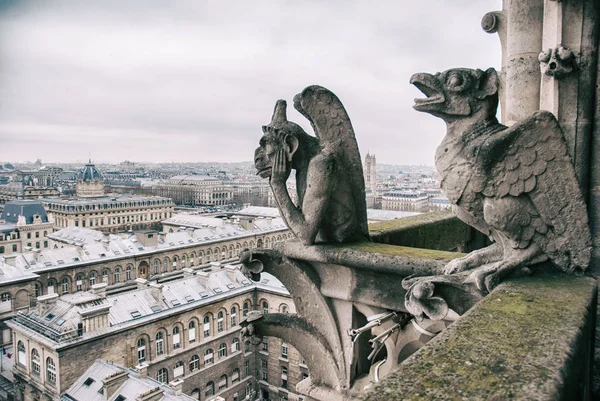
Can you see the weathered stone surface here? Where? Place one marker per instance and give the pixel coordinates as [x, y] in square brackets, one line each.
[331, 203]
[515, 184]
[530, 339]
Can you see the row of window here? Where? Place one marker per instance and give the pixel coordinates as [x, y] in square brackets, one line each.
[36, 363]
[162, 375]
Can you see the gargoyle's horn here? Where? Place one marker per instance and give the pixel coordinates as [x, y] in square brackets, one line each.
[279, 114]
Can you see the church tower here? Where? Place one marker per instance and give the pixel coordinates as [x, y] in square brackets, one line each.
[370, 173]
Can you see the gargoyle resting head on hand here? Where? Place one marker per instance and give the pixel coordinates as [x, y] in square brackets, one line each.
[453, 94]
[330, 205]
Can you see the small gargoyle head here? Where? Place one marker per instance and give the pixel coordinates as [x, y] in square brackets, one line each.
[457, 93]
[277, 135]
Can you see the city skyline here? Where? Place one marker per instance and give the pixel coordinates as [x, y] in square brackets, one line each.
[181, 83]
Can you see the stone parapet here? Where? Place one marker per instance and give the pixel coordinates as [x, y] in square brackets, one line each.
[531, 339]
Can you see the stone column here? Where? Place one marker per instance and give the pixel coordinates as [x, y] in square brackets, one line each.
[523, 45]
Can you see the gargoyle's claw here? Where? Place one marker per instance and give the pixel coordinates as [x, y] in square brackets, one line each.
[455, 266]
[491, 281]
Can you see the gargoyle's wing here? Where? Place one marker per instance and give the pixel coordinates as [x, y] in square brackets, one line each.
[531, 158]
[332, 126]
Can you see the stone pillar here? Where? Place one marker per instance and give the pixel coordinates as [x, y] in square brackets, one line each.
[523, 45]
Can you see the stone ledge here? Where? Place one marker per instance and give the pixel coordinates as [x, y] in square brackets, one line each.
[440, 230]
[531, 339]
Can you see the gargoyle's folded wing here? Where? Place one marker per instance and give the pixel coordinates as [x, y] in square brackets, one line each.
[531, 158]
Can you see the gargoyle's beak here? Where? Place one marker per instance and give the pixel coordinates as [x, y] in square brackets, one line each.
[429, 85]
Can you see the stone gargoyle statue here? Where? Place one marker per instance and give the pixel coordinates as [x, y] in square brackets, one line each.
[516, 184]
[331, 204]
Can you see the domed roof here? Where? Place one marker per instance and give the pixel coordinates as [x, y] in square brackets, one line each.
[89, 173]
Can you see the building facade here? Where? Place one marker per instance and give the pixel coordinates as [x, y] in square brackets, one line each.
[409, 201]
[24, 226]
[184, 333]
[109, 213]
[195, 190]
[371, 173]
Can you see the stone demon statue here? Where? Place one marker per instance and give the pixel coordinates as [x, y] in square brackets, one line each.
[515, 184]
[331, 205]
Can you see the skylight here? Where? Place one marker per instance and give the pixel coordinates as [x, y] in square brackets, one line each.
[135, 313]
[88, 382]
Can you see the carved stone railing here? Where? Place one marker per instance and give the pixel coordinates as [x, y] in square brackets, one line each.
[351, 311]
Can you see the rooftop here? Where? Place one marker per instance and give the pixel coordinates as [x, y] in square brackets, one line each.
[26, 208]
[89, 386]
[102, 200]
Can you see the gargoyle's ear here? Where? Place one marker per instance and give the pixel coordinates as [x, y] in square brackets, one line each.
[488, 84]
[292, 143]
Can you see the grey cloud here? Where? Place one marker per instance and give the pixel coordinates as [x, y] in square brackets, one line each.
[195, 80]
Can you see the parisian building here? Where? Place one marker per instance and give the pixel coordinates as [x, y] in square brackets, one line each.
[410, 201]
[184, 333]
[371, 173]
[24, 225]
[78, 258]
[195, 190]
[92, 208]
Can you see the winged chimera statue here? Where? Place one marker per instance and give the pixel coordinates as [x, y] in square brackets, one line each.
[516, 184]
[329, 178]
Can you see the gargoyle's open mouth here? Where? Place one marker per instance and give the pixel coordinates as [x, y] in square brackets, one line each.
[428, 84]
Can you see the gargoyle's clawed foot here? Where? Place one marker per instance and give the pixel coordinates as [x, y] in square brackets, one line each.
[492, 253]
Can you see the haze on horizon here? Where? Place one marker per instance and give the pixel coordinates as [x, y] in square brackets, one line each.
[193, 81]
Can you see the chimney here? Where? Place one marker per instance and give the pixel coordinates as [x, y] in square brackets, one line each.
[46, 302]
[141, 283]
[162, 236]
[154, 394]
[190, 231]
[112, 383]
[99, 290]
[147, 238]
[202, 278]
[177, 386]
[247, 222]
[106, 240]
[36, 254]
[231, 272]
[157, 291]
[188, 272]
[142, 370]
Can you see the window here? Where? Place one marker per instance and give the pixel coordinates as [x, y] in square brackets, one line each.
[117, 277]
[194, 363]
[233, 316]
[284, 350]
[35, 361]
[50, 371]
[1, 249]
[246, 368]
[36, 289]
[192, 332]
[235, 376]
[79, 282]
[210, 389]
[159, 344]
[105, 273]
[37, 234]
[284, 381]
[264, 370]
[283, 308]
[207, 326]
[176, 338]
[178, 371]
[28, 235]
[209, 357]
[265, 344]
[247, 346]
[128, 273]
[265, 307]
[162, 375]
[141, 350]
[14, 249]
[45, 244]
[222, 382]
[65, 285]
[245, 309]
[5, 297]
[51, 286]
[235, 345]
[92, 279]
[220, 322]
[21, 354]
[222, 350]
[156, 266]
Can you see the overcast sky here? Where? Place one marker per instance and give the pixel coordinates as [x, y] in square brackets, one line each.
[150, 80]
